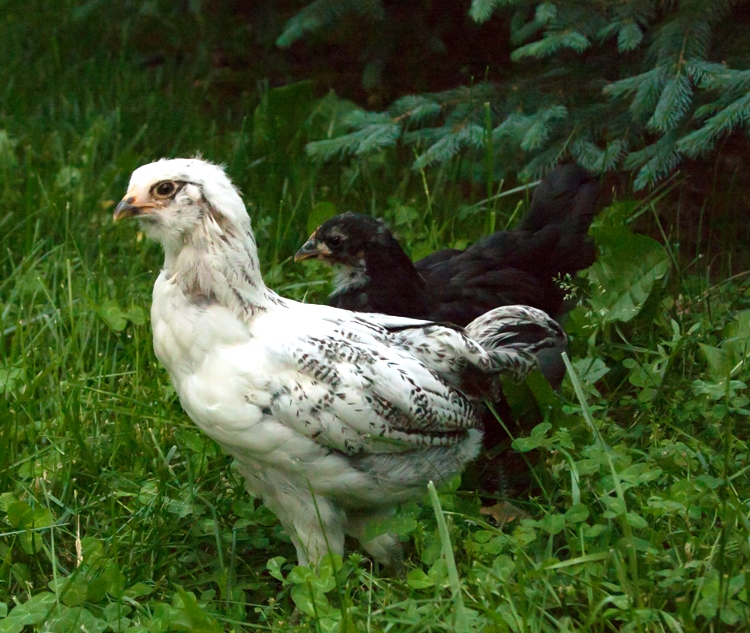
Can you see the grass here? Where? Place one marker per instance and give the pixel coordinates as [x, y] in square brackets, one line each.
[118, 515]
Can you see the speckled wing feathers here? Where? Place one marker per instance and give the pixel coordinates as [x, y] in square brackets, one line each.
[378, 384]
[353, 394]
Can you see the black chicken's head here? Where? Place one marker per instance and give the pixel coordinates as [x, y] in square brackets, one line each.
[344, 239]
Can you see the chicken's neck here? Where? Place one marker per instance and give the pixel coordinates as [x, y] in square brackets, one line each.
[392, 266]
[348, 278]
[220, 265]
[392, 284]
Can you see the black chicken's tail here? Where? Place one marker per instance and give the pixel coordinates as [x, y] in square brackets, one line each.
[567, 197]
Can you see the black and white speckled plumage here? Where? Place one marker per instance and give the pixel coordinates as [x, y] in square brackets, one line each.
[333, 417]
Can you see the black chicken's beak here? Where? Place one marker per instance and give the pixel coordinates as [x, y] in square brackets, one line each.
[312, 250]
[126, 209]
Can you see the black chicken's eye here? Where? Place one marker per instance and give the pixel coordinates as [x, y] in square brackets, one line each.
[166, 188]
[334, 240]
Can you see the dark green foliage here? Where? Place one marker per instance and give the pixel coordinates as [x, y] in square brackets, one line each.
[637, 85]
[323, 13]
[118, 515]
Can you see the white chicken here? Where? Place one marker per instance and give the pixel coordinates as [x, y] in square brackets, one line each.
[334, 417]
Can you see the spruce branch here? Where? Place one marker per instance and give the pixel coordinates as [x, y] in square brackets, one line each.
[323, 13]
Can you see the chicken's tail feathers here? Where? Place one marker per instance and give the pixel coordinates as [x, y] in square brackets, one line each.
[567, 196]
[520, 338]
[521, 327]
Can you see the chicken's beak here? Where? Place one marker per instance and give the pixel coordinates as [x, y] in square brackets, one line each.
[312, 250]
[126, 209]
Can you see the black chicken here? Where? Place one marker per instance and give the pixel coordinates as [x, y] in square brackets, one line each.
[517, 267]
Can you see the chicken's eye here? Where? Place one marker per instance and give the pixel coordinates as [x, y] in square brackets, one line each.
[335, 240]
[166, 188]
